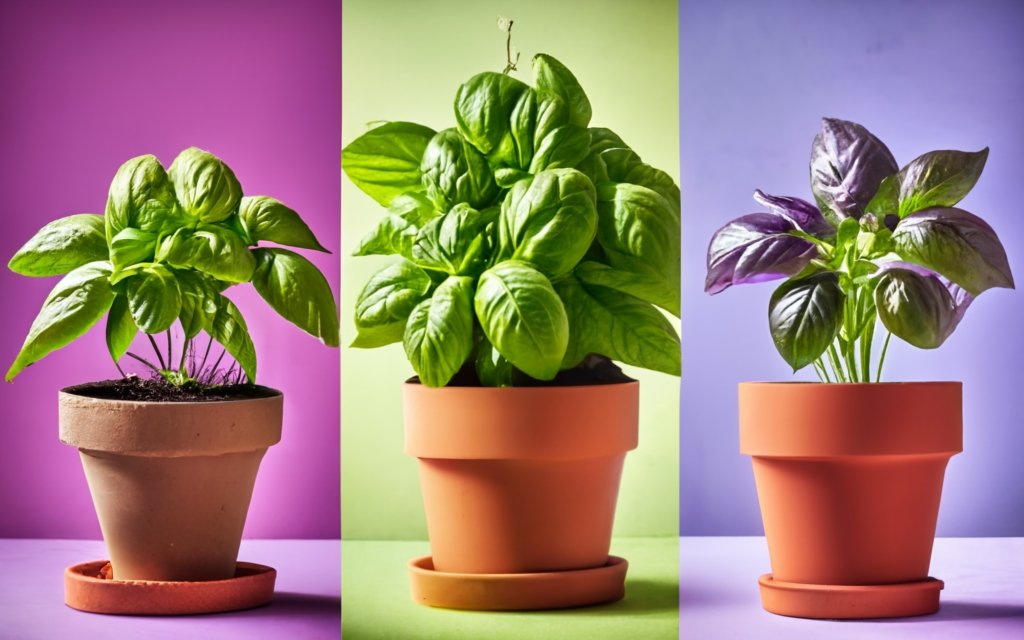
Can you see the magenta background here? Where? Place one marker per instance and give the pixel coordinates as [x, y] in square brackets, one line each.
[756, 77]
[87, 85]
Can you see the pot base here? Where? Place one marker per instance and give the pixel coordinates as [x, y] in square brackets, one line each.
[87, 587]
[517, 591]
[849, 602]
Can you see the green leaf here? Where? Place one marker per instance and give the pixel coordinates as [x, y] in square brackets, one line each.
[564, 147]
[132, 246]
[266, 219]
[887, 200]
[296, 289]
[199, 297]
[77, 303]
[62, 245]
[396, 231]
[523, 317]
[648, 289]
[206, 188]
[210, 248]
[439, 335]
[385, 161]
[121, 328]
[141, 196]
[549, 221]
[624, 165]
[455, 172]
[456, 243]
[229, 330]
[483, 109]
[492, 368]
[616, 325]
[804, 316]
[154, 298]
[916, 308]
[384, 304]
[551, 75]
[938, 179]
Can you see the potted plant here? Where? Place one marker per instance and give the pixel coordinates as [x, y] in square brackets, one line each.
[533, 249]
[171, 458]
[849, 470]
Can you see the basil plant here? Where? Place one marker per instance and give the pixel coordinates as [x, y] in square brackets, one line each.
[528, 242]
[883, 243]
[167, 247]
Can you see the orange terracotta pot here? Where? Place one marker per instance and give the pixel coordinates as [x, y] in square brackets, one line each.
[849, 478]
[171, 481]
[520, 480]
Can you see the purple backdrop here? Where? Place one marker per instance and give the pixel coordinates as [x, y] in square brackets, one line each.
[756, 77]
[87, 85]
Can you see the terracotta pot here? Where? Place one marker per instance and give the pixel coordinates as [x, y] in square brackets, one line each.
[523, 479]
[849, 478]
[171, 481]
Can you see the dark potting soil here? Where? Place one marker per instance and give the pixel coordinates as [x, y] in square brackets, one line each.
[593, 370]
[150, 390]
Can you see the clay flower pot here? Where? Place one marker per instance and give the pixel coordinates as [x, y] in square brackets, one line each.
[171, 481]
[849, 478]
[520, 480]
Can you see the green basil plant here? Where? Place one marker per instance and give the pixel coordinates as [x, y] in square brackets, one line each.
[883, 243]
[168, 246]
[528, 242]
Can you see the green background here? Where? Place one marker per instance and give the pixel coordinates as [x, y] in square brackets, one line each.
[403, 60]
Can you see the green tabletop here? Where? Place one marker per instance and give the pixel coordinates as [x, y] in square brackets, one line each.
[376, 602]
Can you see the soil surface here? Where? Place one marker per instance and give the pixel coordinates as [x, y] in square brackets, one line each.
[150, 390]
[593, 370]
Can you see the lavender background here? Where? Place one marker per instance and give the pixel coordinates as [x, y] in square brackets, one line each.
[755, 78]
[87, 85]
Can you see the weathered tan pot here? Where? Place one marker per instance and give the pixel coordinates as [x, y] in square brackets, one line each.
[849, 478]
[171, 481]
[521, 479]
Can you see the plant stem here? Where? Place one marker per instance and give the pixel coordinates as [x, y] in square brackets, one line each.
[159, 356]
[119, 369]
[881, 360]
[196, 374]
[170, 349]
[143, 361]
[865, 351]
[819, 367]
[184, 353]
[837, 366]
[219, 358]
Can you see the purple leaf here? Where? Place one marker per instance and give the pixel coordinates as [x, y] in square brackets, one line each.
[755, 248]
[957, 244]
[803, 214]
[848, 165]
[919, 305]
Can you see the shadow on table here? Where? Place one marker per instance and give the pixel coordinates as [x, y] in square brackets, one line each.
[308, 606]
[1007, 615]
[642, 597]
[691, 595]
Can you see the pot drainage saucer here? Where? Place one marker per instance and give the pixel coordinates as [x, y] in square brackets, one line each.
[517, 591]
[87, 587]
[850, 601]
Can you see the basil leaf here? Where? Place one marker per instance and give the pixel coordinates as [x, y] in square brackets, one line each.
[483, 108]
[132, 246]
[549, 221]
[384, 162]
[297, 290]
[74, 305]
[229, 330]
[523, 122]
[957, 244]
[551, 75]
[61, 246]
[617, 325]
[848, 165]
[492, 368]
[206, 188]
[397, 230]
[121, 328]
[212, 249]
[887, 199]
[439, 335]
[141, 196]
[805, 216]
[624, 165]
[199, 297]
[265, 218]
[384, 304]
[755, 248]
[154, 298]
[523, 317]
[646, 288]
[917, 306]
[455, 172]
[456, 243]
[938, 179]
[804, 316]
[564, 147]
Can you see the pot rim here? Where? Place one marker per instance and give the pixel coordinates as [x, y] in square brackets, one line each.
[69, 391]
[816, 383]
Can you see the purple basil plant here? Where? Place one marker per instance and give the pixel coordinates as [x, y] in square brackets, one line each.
[883, 243]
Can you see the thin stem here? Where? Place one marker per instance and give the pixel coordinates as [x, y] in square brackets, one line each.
[159, 356]
[819, 366]
[206, 355]
[170, 348]
[219, 358]
[837, 366]
[881, 360]
[143, 361]
[865, 351]
[184, 353]
[510, 64]
[119, 369]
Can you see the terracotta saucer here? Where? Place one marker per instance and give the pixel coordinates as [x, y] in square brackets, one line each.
[87, 587]
[517, 591]
[850, 602]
